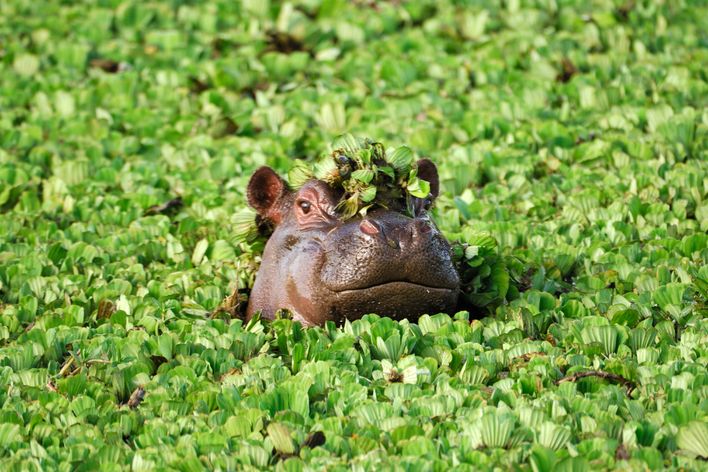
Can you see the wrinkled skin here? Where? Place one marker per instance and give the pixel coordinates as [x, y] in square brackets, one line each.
[321, 268]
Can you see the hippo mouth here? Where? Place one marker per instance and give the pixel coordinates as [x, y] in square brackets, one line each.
[397, 299]
[398, 285]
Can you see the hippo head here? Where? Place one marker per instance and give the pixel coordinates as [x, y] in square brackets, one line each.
[321, 267]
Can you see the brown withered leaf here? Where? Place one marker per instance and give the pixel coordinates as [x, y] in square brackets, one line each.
[198, 86]
[136, 398]
[234, 305]
[551, 339]
[106, 65]
[568, 70]
[168, 207]
[105, 309]
[621, 454]
[284, 42]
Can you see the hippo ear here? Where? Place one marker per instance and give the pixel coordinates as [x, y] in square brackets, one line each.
[265, 193]
[427, 171]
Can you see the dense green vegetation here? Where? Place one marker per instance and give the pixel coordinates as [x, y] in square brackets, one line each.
[571, 141]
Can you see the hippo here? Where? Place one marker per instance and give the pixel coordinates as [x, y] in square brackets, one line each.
[321, 267]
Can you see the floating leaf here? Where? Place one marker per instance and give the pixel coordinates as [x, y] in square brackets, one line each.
[473, 374]
[26, 64]
[608, 337]
[368, 194]
[244, 229]
[553, 436]
[496, 430]
[641, 338]
[199, 251]
[281, 438]
[694, 438]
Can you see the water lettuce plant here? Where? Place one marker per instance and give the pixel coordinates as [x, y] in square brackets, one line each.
[366, 175]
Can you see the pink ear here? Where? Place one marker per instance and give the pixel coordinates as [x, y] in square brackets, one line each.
[265, 190]
[427, 171]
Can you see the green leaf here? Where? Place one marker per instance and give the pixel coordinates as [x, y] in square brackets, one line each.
[299, 174]
[608, 337]
[348, 142]
[418, 188]
[363, 175]
[499, 279]
[368, 194]
[669, 295]
[694, 438]
[281, 438]
[244, 229]
[65, 104]
[401, 158]
[496, 430]
[553, 436]
[222, 250]
[26, 64]
[199, 251]
[9, 434]
[542, 459]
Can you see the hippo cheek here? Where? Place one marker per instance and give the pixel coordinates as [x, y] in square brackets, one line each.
[394, 299]
[308, 301]
[306, 298]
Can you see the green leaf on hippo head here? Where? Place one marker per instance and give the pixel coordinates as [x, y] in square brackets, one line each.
[363, 175]
[368, 194]
[418, 187]
[348, 143]
[299, 174]
[401, 158]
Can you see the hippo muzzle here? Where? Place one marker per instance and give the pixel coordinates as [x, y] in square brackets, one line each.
[389, 264]
[321, 268]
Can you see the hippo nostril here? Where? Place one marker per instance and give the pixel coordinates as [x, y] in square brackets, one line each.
[369, 227]
[423, 227]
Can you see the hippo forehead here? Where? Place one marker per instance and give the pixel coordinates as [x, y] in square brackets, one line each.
[320, 187]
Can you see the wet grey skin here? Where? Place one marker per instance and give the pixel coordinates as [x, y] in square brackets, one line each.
[321, 268]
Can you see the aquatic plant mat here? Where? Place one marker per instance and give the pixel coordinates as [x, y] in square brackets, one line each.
[570, 139]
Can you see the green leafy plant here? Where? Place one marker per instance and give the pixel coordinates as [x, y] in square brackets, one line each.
[570, 139]
[366, 175]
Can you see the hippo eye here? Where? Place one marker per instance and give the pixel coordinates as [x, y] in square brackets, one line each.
[305, 206]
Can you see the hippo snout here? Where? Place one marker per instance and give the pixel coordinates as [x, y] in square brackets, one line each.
[408, 234]
[387, 247]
